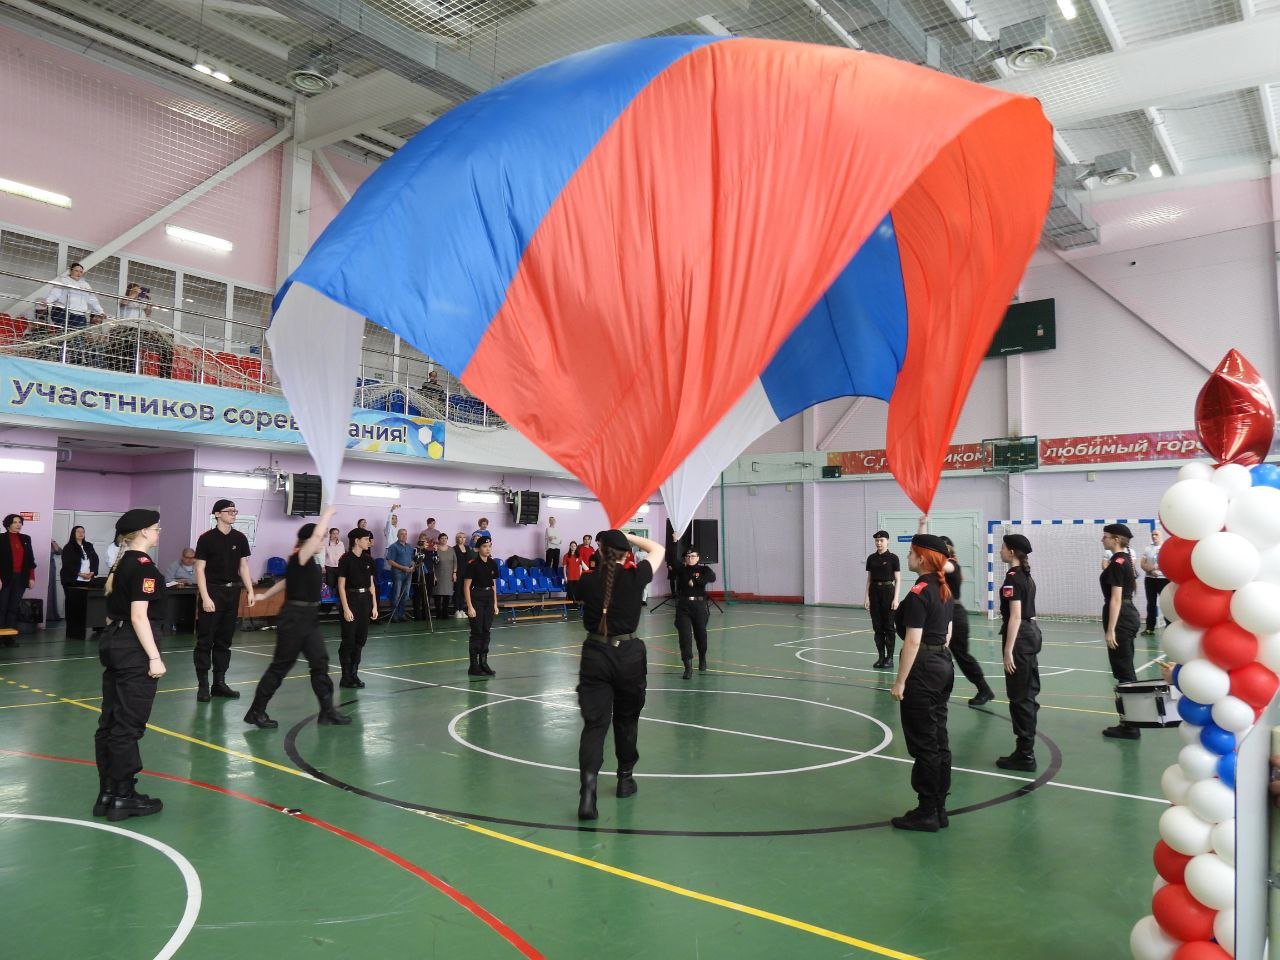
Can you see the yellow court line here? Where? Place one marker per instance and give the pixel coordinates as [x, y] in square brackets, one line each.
[41, 703]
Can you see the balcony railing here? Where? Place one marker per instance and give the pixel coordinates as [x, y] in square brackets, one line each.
[240, 358]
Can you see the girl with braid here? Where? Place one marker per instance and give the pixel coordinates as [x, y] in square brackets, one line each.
[612, 672]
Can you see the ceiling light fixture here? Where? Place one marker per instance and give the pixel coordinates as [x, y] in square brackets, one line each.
[561, 503]
[183, 235]
[235, 481]
[1068, 9]
[8, 465]
[1156, 171]
[34, 193]
[374, 490]
[477, 496]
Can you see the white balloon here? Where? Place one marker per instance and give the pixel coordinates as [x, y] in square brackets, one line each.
[1189, 732]
[1211, 881]
[1166, 599]
[1233, 478]
[1193, 509]
[1204, 681]
[1224, 930]
[1269, 652]
[1225, 561]
[1269, 565]
[1232, 713]
[1197, 762]
[1196, 470]
[1181, 829]
[1223, 838]
[1256, 606]
[1180, 642]
[1148, 941]
[1158, 883]
[1174, 784]
[1255, 514]
[1212, 800]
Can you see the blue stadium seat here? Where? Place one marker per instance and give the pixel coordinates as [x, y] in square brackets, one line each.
[276, 566]
[521, 571]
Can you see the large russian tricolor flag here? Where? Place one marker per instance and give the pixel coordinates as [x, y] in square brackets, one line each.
[700, 236]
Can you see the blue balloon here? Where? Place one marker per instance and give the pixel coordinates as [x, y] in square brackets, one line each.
[1266, 475]
[1177, 669]
[1227, 769]
[1217, 740]
[1199, 714]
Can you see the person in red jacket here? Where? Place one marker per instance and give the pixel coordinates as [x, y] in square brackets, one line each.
[573, 567]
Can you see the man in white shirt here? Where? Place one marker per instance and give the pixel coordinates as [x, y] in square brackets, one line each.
[183, 571]
[389, 531]
[553, 544]
[73, 298]
[1154, 581]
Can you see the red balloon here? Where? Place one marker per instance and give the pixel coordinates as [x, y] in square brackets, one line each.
[1175, 559]
[1170, 864]
[1181, 915]
[1235, 415]
[1229, 645]
[1201, 950]
[1254, 684]
[1201, 605]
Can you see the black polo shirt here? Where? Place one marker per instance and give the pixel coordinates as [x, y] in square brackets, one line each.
[222, 553]
[136, 578]
[624, 605]
[882, 567]
[483, 574]
[1118, 572]
[691, 581]
[923, 608]
[1018, 586]
[302, 580]
[954, 579]
[359, 572]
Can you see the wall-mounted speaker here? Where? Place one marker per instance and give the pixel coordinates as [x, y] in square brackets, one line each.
[524, 506]
[302, 495]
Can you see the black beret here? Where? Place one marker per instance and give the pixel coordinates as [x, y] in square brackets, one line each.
[221, 505]
[136, 520]
[880, 533]
[1016, 541]
[613, 538]
[928, 541]
[1118, 530]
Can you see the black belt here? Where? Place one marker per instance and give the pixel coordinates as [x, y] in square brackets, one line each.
[357, 589]
[612, 641]
[700, 599]
[231, 584]
[935, 646]
[482, 590]
[882, 583]
[301, 603]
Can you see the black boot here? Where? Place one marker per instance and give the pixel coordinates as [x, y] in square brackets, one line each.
[348, 680]
[1122, 731]
[484, 665]
[923, 819]
[984, 695]
[1017, 761]
[587, 798]
[202, 687]
[627, 786]
[940, 808]
[474, 670]
[127, 803]
[258, 717]
[329, 716]
[688, 670]
[104, 801]
[879, 664]
[888, 663]
[702, 662]
[220, 688]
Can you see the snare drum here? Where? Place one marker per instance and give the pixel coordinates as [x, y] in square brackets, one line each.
[1146, 703]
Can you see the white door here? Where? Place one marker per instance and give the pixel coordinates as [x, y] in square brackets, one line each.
[962, 527]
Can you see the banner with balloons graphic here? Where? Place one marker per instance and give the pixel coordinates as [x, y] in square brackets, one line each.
[1222, 559]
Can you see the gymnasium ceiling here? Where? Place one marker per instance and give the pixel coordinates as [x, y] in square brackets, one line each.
[1191, 87]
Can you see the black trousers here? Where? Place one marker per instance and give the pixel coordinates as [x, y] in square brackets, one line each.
[214, 631]
[482, 622]
[881, 597]
[691, 624]
[553, 558]
[15, 585]
[297, 632]
[1121, 658]
[443, 605]
[76, 604]
[127, 696]
[924, 723]
[1153, 586]
[1023, 685]
[960, 648]
[355, 633]
[611, 688]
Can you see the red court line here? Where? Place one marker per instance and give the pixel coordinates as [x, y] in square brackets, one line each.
[457, 896]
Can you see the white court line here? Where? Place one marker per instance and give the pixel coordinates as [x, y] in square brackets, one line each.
[989, 663]
[1151, 663]
[189, 875]
[1051, 783]
[829, 636]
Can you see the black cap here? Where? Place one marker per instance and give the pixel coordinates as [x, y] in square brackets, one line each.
[613, 538]
[928, 541]
[1016, 541]
[359, 533]
[1118, 530]
[880, 533]
[136, 520]
[689, 550]
[221, 505]
[305, 531]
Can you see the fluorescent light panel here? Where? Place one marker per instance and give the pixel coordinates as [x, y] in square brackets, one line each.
[1156, 170]
[236, 481]
[374, 490]
[560, 503]
[34, 193]
[10, 465]
[183, 235]
[476, 496]
[1068, 9]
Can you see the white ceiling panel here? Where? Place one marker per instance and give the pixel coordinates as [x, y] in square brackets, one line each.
[1217, 130]
[1141, 21]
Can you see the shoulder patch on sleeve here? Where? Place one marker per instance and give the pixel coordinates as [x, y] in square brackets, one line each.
[1007, 591]
[144, 559]
[1118, 559]
[919, 588]
[148, 584]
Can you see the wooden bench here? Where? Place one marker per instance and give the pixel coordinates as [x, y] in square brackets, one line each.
[513, 609]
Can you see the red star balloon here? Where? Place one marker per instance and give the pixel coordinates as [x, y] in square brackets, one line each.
[1235, 415]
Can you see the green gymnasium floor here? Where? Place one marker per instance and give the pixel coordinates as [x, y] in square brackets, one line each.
[441, 822]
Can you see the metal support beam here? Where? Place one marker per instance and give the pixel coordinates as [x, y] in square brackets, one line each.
[711, 25]
[295, 210]
[840, 424]
[1269, 116]
[832, 24]
[364, 105]
[331, 177]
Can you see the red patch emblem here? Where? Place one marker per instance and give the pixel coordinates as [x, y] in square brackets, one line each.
[148, 585]
[919, 588]
[1118, 559]
[144, 559]
[1006, 592]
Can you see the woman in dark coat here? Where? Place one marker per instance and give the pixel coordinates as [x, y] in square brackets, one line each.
[79, 567]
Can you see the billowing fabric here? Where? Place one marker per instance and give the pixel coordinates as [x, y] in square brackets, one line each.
[707, 235]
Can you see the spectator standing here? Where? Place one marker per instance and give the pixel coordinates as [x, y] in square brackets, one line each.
[1153, 580]
[334, 548]
[446, 580]
[17, 572]
[79, 567]
[552, 538]
[463, 555]
[481, 533]
[400, 560]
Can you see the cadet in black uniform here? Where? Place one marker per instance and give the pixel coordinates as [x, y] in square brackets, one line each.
[884, 575]
[298, 629]
[614, 666]
[479, 591]
[691, 609]
[131, 666]
[1022, 641]
[222, 565]
[1120, 618]
[926, 676]
[358, 594]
